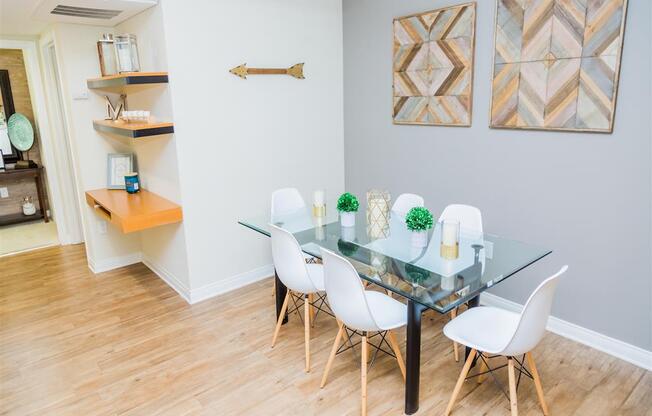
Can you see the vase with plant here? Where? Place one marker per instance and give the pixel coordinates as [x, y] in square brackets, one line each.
[347, 205]
[419, 221]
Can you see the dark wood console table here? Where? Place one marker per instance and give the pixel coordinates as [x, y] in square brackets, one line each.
[11, 175]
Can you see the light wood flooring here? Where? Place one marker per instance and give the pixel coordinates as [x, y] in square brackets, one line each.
[123, 342]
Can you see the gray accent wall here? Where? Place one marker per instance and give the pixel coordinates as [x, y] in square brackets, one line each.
[586, 196]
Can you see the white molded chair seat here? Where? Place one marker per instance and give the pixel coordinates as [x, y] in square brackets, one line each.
[316, 274]
[301, 279]
[388, 312]
[405, 202]
[483, 328]
[360, 310]
[497, 332]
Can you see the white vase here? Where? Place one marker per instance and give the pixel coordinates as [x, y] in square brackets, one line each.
[419, 239]
[347, 219]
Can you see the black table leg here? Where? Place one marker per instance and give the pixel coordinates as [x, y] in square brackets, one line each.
[413, 357]
[471, 304]
[280, 291]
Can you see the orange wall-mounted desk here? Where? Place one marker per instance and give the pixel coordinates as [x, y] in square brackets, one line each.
[133, 212]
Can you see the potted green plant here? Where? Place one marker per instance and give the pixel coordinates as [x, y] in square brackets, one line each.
[419, 221]
[347, 205]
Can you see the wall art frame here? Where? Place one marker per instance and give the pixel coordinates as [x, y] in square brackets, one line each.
[433, 58]
[575, 96]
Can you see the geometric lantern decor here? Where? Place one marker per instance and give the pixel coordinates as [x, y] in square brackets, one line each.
[557, 64]
[433, 66]
[378, 207]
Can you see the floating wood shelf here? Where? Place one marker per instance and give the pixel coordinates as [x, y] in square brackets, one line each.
[133, 130]
[128, 78]
[133, 212]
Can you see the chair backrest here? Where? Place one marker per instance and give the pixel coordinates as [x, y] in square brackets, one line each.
[286, 200]
[406, 202]
[532, 323]
[346, 295]
[289, 262]
[470, 217]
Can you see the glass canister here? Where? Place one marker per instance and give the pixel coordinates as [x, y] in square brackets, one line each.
[378, 206]
[126, 52]
[106, 53]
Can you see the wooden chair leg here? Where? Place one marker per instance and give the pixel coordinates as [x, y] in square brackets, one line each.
[311, 299]
[512, 387]
[456, 347]
[281, 316]
[331, 357]
[460, 381]
[397, 351]
[363, 374]
[537, 382]
[306, 330]
[483, 368]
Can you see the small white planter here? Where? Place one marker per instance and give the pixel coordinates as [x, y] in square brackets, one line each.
[347, 219]
[419, 239]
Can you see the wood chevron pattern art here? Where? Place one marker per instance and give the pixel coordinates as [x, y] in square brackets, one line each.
[556, 64]
[433, 66]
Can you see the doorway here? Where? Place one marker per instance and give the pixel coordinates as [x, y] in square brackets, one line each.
[58, 192]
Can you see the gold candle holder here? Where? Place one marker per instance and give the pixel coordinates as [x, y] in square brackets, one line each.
[449, 252]
[450, 239]
[319, 211]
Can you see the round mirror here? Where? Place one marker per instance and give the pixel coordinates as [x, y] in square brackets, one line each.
[20, 131]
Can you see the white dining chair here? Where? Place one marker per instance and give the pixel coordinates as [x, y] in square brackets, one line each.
[289, 201]
[302, 280]
[286, 200]
[491, 332]
[405, 202]
[362, 311]
[470, 219]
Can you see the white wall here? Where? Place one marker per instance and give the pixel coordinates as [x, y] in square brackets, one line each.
[237, 139]
[77, 58]
[163, 248]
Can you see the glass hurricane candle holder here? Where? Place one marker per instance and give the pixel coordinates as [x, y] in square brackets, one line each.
[378, 206]
[319, 203]
[450, 239]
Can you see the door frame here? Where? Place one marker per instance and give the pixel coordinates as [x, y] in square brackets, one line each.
[64, 209]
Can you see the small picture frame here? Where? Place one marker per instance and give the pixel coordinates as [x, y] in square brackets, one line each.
[118, 165]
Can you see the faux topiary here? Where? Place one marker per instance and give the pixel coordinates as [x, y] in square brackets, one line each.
[418, 219]
[348, 203]
[347, 248]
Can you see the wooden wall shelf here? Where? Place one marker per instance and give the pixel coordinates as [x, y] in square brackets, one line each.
[133, 130]
[133, 212]
[128, 78]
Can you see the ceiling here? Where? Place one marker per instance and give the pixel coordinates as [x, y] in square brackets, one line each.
[31, 17]
[16, 18]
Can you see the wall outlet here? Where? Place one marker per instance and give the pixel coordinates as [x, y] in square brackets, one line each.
[82, 95]
[101, 226]
[4, 192]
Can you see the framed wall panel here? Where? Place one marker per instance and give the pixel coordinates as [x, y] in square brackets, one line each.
[557, 64]
[433, 58]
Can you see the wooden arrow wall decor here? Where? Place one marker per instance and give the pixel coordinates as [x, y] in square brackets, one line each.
[242, 71]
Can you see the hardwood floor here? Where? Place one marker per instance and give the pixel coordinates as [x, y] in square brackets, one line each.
[123, 342]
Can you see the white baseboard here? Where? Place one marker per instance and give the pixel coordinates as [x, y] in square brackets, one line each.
[627, 352]
[230, 283]
[168, 278]
[113, 263]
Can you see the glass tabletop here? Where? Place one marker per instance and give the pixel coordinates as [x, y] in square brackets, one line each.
[387, 257]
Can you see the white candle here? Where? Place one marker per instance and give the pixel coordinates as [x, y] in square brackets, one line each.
[449, 232]
[319, 198]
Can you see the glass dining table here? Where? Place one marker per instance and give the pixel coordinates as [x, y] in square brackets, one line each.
[385, 256]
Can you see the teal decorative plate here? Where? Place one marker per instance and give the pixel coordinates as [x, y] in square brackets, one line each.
[21, 133]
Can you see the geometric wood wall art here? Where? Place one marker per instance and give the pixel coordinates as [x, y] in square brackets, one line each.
[433, 66]
[557, 64]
